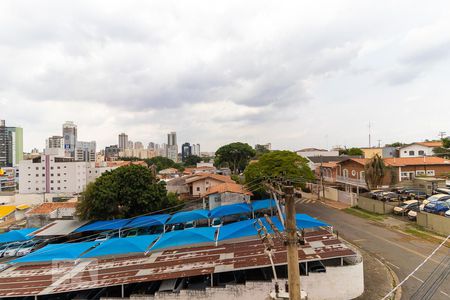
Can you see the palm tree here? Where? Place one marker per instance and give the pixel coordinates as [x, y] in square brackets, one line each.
[375, 170]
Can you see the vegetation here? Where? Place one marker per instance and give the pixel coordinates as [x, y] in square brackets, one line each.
[375, 171]
[287, 164]
[396, 144]
[260, 150]
[364, 214]
[236, 156]
[443, 151]
[192, 160]
[351, 152]
[123, 193]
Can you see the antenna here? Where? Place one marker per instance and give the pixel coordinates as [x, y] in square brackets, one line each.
[370, 142]
[442, 134]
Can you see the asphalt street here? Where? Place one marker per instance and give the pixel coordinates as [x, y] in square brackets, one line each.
[402, 252]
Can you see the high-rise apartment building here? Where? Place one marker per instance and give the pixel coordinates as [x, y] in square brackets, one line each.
[85, 151]
[186, 151]
[55, 141]
[130, 145]
[112, 153]
[11, 145]
[138, 145]
[123, 141]
[196, 149]
[151, 146]
[172, 146]
[70, 137]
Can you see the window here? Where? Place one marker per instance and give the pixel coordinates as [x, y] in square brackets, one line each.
[430, 172]
[51, 168]
[51, 181]
[51, 188]
[43, 175]
[198, 189]
[353, 173]
[411, 153]
[37, 168]
[37, 175]
[420, 172]
[362, 175]
[421, 152]
[58, 167]
[345, 173]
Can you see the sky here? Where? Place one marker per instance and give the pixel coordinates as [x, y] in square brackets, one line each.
[293, 73]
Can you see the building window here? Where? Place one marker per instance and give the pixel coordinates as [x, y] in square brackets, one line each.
[37, 168]
[51, 188]
[420, 172]
[51, 168]
[430, 173]
[411, 153]
[421, 152]
[37, 175]
[345, 173]
[362, 175]
[43, 175]
[198, 189]
[51, 181]
[353, 173]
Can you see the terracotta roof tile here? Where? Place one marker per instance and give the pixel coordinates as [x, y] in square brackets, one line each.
[415, 161]
[46, 208]
[203, 176]
[228, 187]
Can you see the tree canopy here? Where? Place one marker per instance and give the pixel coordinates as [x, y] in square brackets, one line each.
[192, 160]
[396, 144]
[287, 164]
[351, 152]
[125, 192]
[375, 170]
[162, 163]
[236, 156]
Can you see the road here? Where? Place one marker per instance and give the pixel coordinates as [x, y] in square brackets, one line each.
[402, 252]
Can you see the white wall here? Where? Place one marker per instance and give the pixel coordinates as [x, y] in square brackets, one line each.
[404, 152]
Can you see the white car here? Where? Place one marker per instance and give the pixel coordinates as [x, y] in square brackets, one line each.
[26, 248]
[405, 207]
[12, 250]
[447, 213]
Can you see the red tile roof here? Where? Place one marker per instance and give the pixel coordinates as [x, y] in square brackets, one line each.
[46, 208]
[228, 187]
[415, 161]
[204, 176]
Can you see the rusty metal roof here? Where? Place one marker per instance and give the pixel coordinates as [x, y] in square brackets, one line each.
[46, 278]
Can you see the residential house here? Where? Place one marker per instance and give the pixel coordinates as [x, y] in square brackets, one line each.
[201, 183]
[419, 149]
[45, 213]
[178, 186]
[168, 173]
[383, 152]
[225, 193]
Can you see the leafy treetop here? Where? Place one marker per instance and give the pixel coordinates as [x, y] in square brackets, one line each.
[236, 156]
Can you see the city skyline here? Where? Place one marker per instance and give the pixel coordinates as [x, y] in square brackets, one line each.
[278, 74]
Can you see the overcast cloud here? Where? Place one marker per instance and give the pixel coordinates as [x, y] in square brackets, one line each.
[294, 73]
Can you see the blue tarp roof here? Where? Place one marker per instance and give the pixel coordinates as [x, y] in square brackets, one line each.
[16, 235]
[237, 230]
[148, 221]
[57, 252]
[263, 204]
[232, 209]
[185, 237]
[275, 222]
[186, 216]
[104, 225]
[305, 221]
[123, 245]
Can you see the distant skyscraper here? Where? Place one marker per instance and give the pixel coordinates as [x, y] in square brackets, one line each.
[70, 137]
[138, 145]
[151, 146]
[130, 145]
[196, 149]
[112, 153]
[186, 151]
[85, 151]
[11, 145]
[172, 147]
[55, 141]
[123, 141]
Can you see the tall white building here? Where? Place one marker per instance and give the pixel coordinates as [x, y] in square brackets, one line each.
[70, 137]
[172, 146]
[138, 145]
[196, 149]
[55, 141]
[123, 141]
[52, 172]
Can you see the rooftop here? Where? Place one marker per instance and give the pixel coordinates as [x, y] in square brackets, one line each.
[46, 208]
[228, 187]
[217, 177]
[415, 161]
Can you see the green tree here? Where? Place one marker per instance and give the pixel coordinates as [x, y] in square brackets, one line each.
[192, 160]
[236, 156]
[375, 171]
[396, 144]
[285, 164]
[162, 163]
[351, 152]
[260, 151]
[446, 143]
[123, 193]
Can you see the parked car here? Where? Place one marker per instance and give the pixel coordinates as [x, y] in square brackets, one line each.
[442, 191]
[436, 207]
[216, 222]
[412, 213]
[132, 233]
[12, 249]
[405, 207]
[447, 213]
[438, 197]
[408, 194]
[189, 225]
[374, 194]
[27, 247]
[418, 195]
[387, 196]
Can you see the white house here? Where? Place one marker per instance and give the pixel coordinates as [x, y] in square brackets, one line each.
[419, 149]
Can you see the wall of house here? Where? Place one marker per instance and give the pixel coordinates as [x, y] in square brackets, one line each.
[200, 187]
[424, 170]
[216, 200]
[415, 149]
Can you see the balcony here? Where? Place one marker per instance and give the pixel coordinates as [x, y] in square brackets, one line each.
[352, 181]
[329, 179]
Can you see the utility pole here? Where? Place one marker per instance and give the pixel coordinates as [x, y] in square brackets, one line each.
[379, 143]
[370, 142]
[292, 248]
[442, 134]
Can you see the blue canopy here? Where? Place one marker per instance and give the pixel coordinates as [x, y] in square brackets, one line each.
[232, 209]
[16, 235]
[148, 221]
[263, 204]
[104, 225]
[185, 237]
[305, 221]
[186, 216]
[57, 252]
[237, 230]
[276, 222]
[116, 246]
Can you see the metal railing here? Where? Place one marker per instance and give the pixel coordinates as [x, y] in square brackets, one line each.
[352, 181]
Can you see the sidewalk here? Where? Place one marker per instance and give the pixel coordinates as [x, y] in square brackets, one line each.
[328, 202]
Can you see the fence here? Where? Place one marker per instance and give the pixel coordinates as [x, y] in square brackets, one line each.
[437, 223]
[376, 206]
[335, 194]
